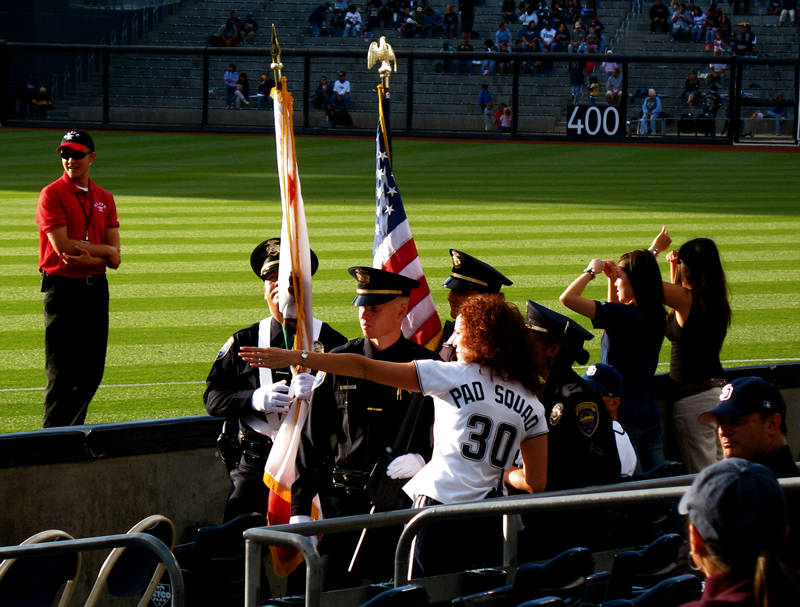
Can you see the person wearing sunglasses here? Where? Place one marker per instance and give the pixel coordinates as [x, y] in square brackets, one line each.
[78, 240]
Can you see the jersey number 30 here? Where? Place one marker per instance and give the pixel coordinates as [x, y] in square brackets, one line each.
[502, 439]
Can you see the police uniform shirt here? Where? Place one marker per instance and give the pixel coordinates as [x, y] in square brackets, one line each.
[480, 421]
[232, 381]
[582, 447]
[350, 424]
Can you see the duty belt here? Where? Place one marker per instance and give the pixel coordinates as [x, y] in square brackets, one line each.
[351, 481]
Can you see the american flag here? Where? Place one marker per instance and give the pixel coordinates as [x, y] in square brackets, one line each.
[394, 249]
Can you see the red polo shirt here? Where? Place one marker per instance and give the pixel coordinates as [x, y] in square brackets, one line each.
[91, 213]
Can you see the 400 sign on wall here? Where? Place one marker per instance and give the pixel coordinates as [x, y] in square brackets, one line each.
[593, 121]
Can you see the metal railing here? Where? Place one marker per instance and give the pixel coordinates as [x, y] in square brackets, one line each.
[108, 541]
[624, 494]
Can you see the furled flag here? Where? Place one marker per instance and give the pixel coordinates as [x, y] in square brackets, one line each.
[294, 287]
[394, 249]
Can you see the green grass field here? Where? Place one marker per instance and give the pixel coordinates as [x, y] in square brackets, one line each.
[192, 206]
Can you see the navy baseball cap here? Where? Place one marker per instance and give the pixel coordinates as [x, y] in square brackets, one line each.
[77, 140]
[604, 379]
[267, 255]
[376, 286]
[471, 274]
[746, 395]
[737, 504]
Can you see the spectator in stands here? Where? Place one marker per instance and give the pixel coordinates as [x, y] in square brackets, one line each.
[265, 85]
[741, 7]
[528, 37]
[340, 5]
[352, 22]
[409, 25]
[337, 116]
[42, 102]
[600, 31]
[498, 115]
[386, 16]
[698, 24]
[614, 87]
[633, 319]
[466, 10]
[651, 110]
[444, 65]
[488, 117]
[249, 28]
[341, 92]
[711, 26]
[681, 22]
[229, 34]
[741, 47]
[464, 66]
[529, 15]
[751, 423]
[236, 23]
[547, 37]
[691, 90]
[336, 24]
[576, 80]
[738, 524]
[432, 23]
[774, 7]
[698, 321]
[231, 79]
[242, 91]
[711, 103]
[750, 36]
[450, 21]
[322, 94]
[562, 42]
[591, 42]
[724, 28]
[32, 86]
[317, 19]
[609, 65]
[716, 71]
[484, 97]
[788, 9]
[606, 381]
[506, 121]
[502, 38]
[777, 112]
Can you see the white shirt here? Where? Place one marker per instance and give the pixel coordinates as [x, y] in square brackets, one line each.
[479, 422]
[341, 88]
[627, 455]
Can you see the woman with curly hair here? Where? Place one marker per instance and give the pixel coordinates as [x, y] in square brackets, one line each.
[697, 324]
[486, 409]
[633, 318]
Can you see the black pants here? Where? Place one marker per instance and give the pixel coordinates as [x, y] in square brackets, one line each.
[248, 491]
[75, 340]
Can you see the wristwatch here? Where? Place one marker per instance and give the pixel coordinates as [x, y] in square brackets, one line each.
[590, 271]
[303, 355]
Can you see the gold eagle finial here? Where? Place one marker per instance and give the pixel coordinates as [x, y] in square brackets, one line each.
[382, 51]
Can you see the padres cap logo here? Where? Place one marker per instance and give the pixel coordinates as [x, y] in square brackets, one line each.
[591, 371]
[727, 392]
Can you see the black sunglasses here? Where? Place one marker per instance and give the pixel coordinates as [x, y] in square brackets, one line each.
[67, 154]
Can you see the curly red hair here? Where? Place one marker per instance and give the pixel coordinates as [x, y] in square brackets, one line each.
[494, 334]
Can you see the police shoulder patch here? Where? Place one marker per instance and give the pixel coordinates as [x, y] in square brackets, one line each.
[226, 347]
[587, 416]
[318, 379]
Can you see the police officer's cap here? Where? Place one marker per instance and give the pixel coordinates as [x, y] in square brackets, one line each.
[547, 321]
[266, 257]
[470, 274]
[379, 286]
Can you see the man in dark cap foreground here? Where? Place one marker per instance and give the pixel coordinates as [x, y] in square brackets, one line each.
[351, 424]
[78, 240]
[254, 400]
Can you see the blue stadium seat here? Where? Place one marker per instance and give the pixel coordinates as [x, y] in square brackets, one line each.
[410, 595]
[547, 601]
[37, 581]
[671, 592]
[644, 567]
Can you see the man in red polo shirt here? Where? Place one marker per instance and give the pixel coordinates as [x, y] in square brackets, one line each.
[78, 240]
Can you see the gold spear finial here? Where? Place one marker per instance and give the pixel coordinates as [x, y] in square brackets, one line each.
[276, 66]
[382, 51]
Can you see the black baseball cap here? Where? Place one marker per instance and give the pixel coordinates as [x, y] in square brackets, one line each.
[604, 379]
[377, 286]
[76, 140]
[267, 254]
[737, 504]
[472, 274]
[746, 395]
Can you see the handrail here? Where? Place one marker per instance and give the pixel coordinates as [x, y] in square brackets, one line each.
[629, 493]
[108, 541]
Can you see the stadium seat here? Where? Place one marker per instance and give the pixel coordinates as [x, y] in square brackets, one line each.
[37, 581]
[546, 601]
[410, 595]
[563, 576]
[135, 569]
[635, 569]
[670, 592]
[213, 563]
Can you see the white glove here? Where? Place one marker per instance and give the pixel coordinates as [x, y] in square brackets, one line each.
[272, 399]
[302, 383]
[405, 466]
[303, 518]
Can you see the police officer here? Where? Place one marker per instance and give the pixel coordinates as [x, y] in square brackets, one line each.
[582, 448]
[350, 424]
[254, 400]
[469, 276]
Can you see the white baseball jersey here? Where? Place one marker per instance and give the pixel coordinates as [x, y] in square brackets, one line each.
[479, 422]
